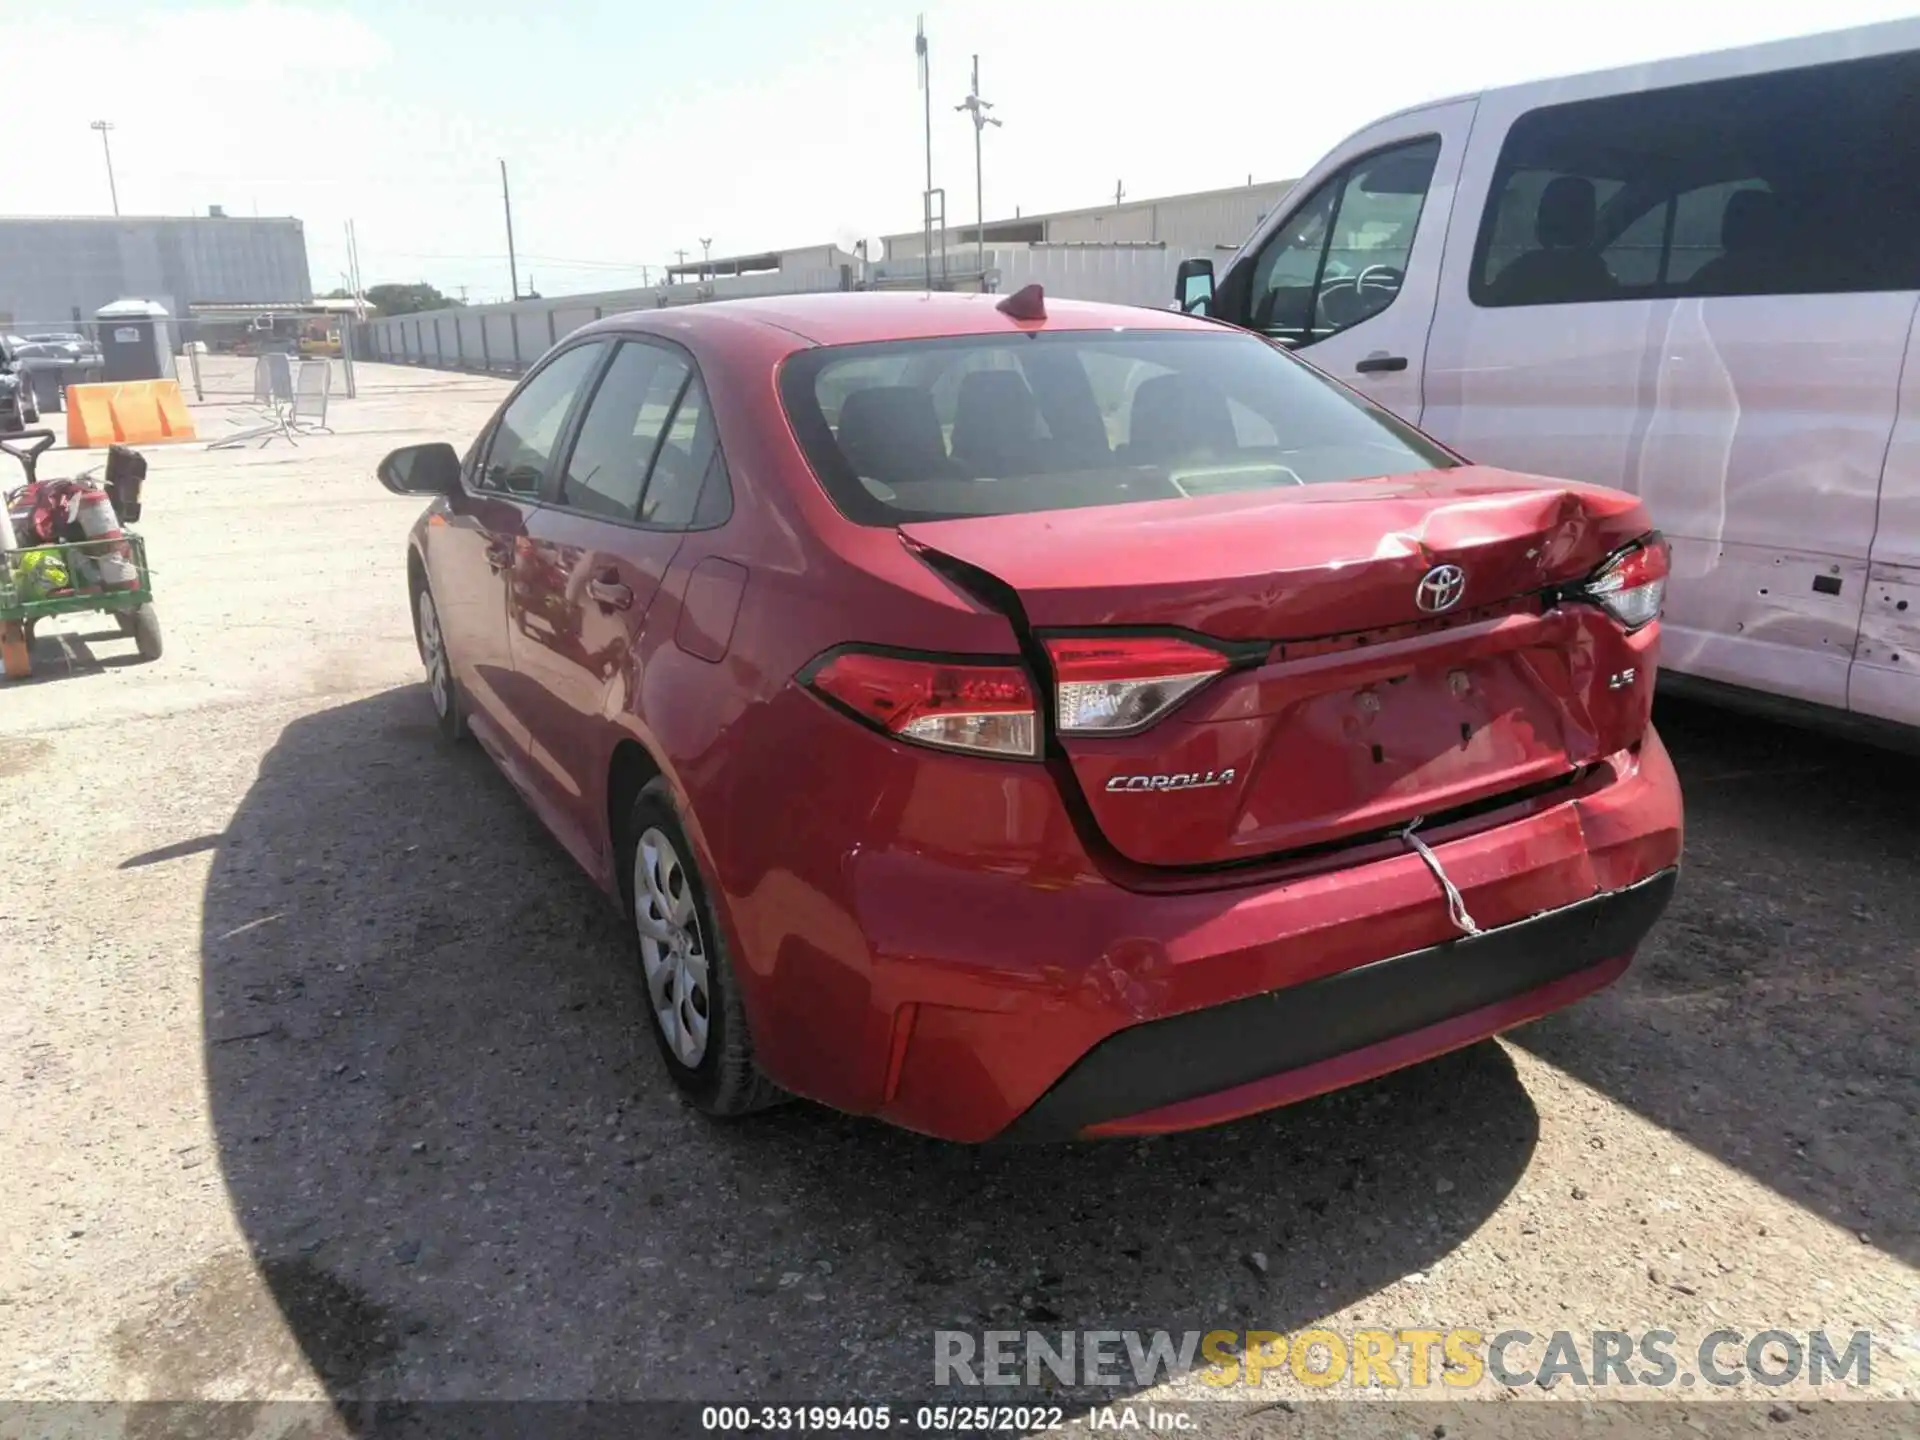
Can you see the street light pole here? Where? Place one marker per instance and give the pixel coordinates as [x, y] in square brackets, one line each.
[977, 108]
[706, 258]
[103, 126]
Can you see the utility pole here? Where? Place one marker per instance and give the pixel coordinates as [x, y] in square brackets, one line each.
[977, 108]
[513, 269]
[1119, 193]
[103, 126]
[359, 276]
[463, 294]
[926, 89]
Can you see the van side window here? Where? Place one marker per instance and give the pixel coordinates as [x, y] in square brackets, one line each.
[1799, 182]
[1341, 256]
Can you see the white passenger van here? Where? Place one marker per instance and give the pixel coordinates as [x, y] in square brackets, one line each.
[1695, 280]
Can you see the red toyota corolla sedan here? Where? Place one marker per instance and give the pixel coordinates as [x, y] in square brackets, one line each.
[1022, 719]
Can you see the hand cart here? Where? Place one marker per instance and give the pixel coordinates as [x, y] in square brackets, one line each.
[108, 575]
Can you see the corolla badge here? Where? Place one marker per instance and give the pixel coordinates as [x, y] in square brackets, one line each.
[1189, 780]
[1440, 588]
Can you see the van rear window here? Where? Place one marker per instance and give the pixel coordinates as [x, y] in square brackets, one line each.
[1055, 420]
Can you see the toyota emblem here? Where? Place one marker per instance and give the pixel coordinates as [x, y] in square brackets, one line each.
[1440, 588]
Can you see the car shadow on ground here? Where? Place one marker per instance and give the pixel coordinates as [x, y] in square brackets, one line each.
[463, 1173]
[1771, 1019]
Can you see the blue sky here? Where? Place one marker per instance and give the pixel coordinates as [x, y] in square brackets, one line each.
[634, 130]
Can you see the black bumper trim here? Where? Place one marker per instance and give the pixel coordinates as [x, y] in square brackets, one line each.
[1163, 1062]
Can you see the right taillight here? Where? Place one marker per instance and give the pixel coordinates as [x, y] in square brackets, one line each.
[1632, 585]
[986, 707]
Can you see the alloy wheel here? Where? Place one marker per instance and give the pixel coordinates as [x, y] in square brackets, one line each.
[673, 951]
[433, 649]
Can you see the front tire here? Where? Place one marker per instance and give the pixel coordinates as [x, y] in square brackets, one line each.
[691, 993]
[449, 706]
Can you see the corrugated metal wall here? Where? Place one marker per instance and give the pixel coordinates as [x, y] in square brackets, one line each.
[48, 267]
[1197, 222]
[510, 337]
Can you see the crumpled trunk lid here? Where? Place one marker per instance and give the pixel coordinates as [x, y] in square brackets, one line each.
[1351, 708]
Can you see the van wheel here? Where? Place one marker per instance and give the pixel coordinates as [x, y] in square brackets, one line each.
[698, 1023]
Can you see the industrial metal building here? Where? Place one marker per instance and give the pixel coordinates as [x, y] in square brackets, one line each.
[1194, 224]
[56, 270]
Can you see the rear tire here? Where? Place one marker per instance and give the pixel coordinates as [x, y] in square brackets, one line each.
[692, 996]
[449, 705]
[144, 625]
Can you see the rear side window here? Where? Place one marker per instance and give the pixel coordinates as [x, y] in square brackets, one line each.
[647, 449]
[1799, 182]
[630, 410]
[1003, 424]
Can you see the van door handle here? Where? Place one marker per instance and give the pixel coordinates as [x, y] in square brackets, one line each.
[1380, 361]
[606, 591]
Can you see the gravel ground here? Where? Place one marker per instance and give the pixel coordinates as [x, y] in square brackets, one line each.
[322, 1073]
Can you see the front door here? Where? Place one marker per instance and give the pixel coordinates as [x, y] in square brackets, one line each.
[1347, 273]
[487, 534]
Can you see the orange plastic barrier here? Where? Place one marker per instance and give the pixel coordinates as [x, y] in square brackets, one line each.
[132, 412]
[89, 416]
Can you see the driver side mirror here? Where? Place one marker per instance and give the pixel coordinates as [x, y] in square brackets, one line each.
[1193, 286]
[422, 470]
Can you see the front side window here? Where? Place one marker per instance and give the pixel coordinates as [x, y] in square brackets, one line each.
[529, 431]
[923, 429]
[1341, 257]
[1798, 182]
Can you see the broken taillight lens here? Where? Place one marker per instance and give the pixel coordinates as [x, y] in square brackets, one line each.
[1116, 684]
[1632, 585]
[956, 705]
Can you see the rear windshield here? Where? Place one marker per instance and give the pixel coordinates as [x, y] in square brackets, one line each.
[1058, 420]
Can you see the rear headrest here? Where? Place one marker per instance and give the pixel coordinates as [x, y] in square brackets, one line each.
[890, 433]
[1567, 213]
[1750, 222]
[1177, 417]
[995, 417]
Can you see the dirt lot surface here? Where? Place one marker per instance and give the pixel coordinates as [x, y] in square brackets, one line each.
[322, 1075]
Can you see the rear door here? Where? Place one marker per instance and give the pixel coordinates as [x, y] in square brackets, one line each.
[594, 561]
[471, 557]
[1348, 270]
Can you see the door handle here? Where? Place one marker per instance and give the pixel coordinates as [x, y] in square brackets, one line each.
[606, 591]
[1379, 362]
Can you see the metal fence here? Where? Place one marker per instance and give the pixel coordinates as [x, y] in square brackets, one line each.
[507, 338]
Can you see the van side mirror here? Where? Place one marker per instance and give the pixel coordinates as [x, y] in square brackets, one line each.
[422, 470]
[1193, 286]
